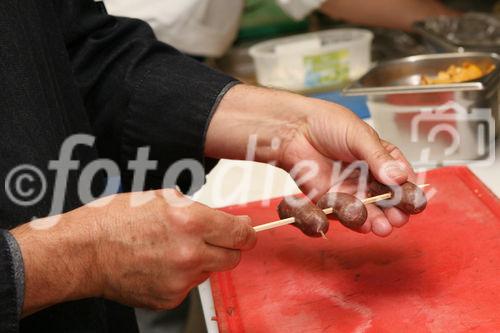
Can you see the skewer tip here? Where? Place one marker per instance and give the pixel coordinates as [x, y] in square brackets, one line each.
[323, 235]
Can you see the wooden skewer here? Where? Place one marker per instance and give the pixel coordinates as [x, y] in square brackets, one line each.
[327, 211]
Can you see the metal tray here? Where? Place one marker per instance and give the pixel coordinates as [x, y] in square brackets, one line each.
[398, 104]
[403, 75]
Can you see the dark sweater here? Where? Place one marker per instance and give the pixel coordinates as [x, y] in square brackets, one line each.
[66, 67]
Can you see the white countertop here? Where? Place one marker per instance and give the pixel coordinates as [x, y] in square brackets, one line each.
[490, 175]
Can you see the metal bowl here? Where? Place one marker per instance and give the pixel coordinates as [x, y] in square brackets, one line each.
[468, 110]
[403, 75]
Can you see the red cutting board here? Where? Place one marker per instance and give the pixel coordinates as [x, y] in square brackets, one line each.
[440, 273]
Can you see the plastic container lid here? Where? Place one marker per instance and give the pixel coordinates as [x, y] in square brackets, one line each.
[308, 61]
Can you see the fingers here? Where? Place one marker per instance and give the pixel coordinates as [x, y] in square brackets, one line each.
[214, 239]
[380, 225]
[228, 231]
[365, 228]
[218, 259]
[213, 226]
[396, 153]
[366, 145]
[381, 221]
[396, 217]
[312, 174]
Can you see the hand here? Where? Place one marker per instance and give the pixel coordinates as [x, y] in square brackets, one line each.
[308, 129]
[400, 14]
[154, 255]
[150, 255]
[332, 133]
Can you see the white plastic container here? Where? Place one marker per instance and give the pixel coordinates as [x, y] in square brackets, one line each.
[313, 60]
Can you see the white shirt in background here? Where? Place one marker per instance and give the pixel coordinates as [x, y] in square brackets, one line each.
[199, 27]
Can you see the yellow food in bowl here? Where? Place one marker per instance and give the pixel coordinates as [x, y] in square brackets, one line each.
[457, 74]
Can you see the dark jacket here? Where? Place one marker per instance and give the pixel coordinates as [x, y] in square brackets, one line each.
[66, 67]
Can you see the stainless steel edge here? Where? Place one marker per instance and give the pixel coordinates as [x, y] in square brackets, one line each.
[470, 86]
[421, 57]
[357, 88]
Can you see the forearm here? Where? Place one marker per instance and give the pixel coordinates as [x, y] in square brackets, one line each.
[57, 262]
[275, 118]
[245, 111]
[385, 13]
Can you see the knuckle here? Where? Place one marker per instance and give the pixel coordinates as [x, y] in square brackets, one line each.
[159, 306]
[241, 236]
[396, 152]
[367, 130]
[168, 193]
[183, 219]
[178, 287]
[174, 198]
[191, 224]
[163, 305]
[162, 208]
[176, 192]
[371, 131]
[379, 155]
[187, 257]
[234, 259]
[177, 299]
[175, 303]
[391, 147]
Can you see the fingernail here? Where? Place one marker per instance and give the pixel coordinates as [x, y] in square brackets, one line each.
[381, 227]
[395, 172]
[244, 219]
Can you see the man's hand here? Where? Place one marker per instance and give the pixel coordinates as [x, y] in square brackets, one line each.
[146, 254]
[392, 14]
[308, 130]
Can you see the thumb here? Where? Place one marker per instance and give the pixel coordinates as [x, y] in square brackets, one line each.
[368, 147]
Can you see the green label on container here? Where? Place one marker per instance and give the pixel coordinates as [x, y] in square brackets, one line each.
[326, 69]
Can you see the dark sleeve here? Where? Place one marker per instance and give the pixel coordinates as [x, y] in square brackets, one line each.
[138, 91]
[11, 283]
